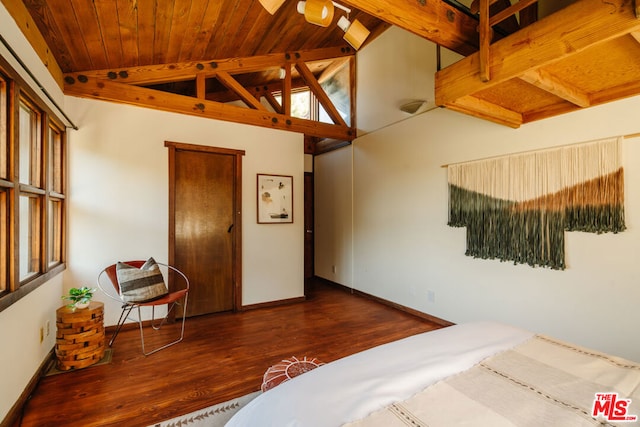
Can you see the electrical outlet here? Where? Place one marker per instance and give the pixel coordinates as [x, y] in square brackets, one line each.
[333, 268]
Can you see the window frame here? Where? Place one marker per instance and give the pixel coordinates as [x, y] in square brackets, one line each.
[313, 107]
[14, 92]
[56, 190]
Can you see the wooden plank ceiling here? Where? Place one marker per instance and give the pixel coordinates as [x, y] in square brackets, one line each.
[196, 56]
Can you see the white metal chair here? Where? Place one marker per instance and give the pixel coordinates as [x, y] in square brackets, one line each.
[108, 283]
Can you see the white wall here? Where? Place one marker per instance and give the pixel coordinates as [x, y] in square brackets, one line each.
[333, 216]
[382, 61]
[403, 248]
[118, 194]
[22, 352]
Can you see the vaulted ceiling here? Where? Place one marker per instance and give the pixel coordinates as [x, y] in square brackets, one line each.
[217, 51]
[195, 56]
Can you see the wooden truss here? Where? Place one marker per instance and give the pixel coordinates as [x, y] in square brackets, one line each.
[128, 86]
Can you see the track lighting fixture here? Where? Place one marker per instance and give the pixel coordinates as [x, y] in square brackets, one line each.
[354, 32]
[271, 5]
[320, 12]
[317, 12]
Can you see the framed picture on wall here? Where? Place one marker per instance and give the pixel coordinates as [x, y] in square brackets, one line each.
[275, 199]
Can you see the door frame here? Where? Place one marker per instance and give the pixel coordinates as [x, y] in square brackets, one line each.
[237, 208]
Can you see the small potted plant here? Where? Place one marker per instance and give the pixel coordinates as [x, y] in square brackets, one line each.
[79, 297]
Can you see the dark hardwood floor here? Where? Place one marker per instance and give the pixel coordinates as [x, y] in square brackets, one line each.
[222, 356]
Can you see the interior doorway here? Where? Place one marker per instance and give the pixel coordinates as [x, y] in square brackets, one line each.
[205, 224]
[308, 233]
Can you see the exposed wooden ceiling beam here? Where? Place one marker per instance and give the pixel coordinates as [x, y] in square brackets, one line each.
[616, 92]
[552, 84]
[201, 86]
[326, 145]
[549, 111]
[486, 110]
[433, 20]
[597, 98]
[332, 69]
[273, 102]
[258, 91]
[486, 35]
[233, 85]
[571, 30]
[164, 73]
[287, 87]
[107, 90]
[353, 93]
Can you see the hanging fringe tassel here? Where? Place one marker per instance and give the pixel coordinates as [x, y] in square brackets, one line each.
[517, 208]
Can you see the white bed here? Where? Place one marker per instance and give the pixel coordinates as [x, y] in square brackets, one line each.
[472, 374]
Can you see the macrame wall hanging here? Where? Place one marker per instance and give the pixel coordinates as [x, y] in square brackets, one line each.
[517, 207]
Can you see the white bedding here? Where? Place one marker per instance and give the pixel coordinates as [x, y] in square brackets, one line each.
[351, 388]
[541, 382]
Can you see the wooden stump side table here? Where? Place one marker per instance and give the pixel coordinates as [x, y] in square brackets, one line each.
[80, 336]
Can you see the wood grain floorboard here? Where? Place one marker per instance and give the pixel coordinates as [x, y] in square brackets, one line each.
[223, 356]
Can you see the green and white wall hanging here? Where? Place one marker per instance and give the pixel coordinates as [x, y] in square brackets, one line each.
[517, 207]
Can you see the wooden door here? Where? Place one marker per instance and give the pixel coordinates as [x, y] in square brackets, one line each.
[308, 232]
[204, 226]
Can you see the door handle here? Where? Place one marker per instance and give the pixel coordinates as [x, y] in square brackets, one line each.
[230, 228]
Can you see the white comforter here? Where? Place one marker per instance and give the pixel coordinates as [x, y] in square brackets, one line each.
[355, 386]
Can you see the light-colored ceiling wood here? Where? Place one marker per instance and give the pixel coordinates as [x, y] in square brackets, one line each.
[580, 56]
